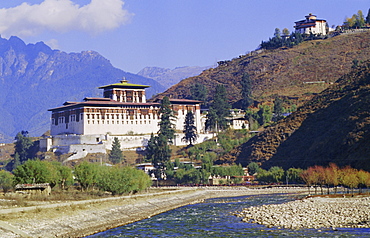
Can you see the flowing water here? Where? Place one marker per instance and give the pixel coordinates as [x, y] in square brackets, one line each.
[213, 218]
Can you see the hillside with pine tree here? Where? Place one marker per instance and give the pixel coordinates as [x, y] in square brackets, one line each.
[333, 127]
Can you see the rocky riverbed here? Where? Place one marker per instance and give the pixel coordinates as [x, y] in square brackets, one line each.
[313, 212]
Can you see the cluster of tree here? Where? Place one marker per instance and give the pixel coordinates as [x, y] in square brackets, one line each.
[283, 39]
[264, 115]
[333, 176]
[117, 180]
[187, 174]
[212, 150]
[275, 174]
[317, 176]
[357, 20]
[25, 149]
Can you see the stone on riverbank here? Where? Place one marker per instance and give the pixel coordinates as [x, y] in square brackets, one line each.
[312, 213]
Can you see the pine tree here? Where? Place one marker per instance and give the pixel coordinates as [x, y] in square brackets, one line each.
[23, 145]
[158, 152]
[368, 17]
[278, 108]
[219, 110]
[166, 126]
[246, 91]
[150, 149]
[190, 130]
[115, 155]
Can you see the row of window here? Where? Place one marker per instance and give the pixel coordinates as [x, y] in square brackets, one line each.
[62, 119]
[97, 110]
[123, 116]
[118, 122]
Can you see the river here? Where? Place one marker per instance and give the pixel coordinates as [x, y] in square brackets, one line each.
[214, 218]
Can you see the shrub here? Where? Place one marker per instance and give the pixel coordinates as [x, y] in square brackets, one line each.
[6, 180]
[120, 180]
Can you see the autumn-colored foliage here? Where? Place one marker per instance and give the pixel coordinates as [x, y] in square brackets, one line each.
[332, 176]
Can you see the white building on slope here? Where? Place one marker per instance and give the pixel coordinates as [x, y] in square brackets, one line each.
[311, 25]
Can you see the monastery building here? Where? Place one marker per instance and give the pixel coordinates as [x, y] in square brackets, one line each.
[311, 25]
[123, 112]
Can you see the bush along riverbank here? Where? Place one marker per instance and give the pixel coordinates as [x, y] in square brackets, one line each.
[312, 212]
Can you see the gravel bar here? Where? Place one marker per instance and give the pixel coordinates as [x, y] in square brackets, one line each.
[312, 212]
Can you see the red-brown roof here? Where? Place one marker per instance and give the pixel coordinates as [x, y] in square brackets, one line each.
[101, 103]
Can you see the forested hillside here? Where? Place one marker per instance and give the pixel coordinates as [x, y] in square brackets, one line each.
[292, 73]
[332, 127]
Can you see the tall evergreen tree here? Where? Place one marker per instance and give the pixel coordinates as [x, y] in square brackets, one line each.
[278, 108]
[158, 149]
[367, 21]
[211, 120]
[23, 146]
[150, 149]
[246, 91]
[166, 125]
[190, 130]
[158, 152]
[219, 110]
[116, 155]
[162, 155]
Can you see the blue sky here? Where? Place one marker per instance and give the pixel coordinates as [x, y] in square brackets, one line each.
[134, 34]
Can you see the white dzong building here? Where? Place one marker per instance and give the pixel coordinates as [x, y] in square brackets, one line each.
[123, 112]
[311, 25]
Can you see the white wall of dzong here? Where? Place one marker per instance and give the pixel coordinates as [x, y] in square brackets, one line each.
[72, 127]
[92, 122]
[121, 123]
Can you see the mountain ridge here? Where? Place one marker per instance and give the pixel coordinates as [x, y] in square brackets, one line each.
[34, 78]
